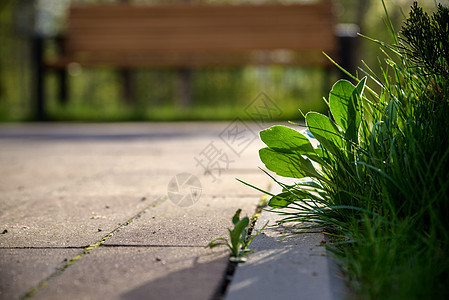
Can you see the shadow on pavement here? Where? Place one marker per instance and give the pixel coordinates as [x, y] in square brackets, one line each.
[201, 281]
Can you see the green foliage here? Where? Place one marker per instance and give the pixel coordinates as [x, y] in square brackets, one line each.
[238, 238]
[284, 152]
[427, 38]
[377, 178]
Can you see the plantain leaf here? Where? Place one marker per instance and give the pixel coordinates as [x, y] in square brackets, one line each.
[284, 139]
[340, 103]
[345, 106]
[355, 112]
[288, 164]
[283, 164]
[284, 199]
[325, 131]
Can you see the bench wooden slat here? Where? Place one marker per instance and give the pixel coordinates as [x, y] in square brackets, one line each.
[180, 10]
[96, 31]
[206, 59]
[124, 44]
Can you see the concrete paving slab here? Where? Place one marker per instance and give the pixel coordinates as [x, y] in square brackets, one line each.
[82, 214]
[144, 182]
[127, 184]
[79, 221]
[39, 165]
[168, 224]
[27, 167]
[141, 273]
[228, 185]
[115, 184]
[23, 269]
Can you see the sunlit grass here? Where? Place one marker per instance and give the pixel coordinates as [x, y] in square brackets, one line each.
[379, 183]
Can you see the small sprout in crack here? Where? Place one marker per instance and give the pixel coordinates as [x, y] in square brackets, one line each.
[239, 240]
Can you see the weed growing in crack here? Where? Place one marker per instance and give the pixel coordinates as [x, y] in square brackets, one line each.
[239, 239]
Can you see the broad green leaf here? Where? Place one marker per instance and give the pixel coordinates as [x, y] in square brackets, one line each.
[340, 103]
[284, 139]
[287, 164]
[308, 168]
[283, 164]
[281, 201]
[325, 131]
[284, 199]
[345, 106]
[352, 132]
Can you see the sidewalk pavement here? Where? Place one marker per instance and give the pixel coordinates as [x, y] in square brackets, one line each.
[121, 211]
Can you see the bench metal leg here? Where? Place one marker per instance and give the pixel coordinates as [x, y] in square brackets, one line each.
[62, 73]
[184, 88]
[348, 39]
[63, 86]
[38, 79]
[127, 84]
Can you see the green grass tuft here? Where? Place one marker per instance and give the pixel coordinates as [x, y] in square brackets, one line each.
[377, 181]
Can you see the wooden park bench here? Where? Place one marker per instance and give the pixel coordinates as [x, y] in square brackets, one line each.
[131, 36]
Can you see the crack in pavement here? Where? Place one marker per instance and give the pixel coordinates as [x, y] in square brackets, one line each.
[150, 246]
[43, 248]
[102, 245]
[220, 293]
[89, 248]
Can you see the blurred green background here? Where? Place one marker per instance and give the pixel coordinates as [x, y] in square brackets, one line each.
[217, 94]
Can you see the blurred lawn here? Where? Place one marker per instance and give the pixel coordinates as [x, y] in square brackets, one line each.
[220, 94]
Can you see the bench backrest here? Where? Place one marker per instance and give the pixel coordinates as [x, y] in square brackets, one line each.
[199, 34]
